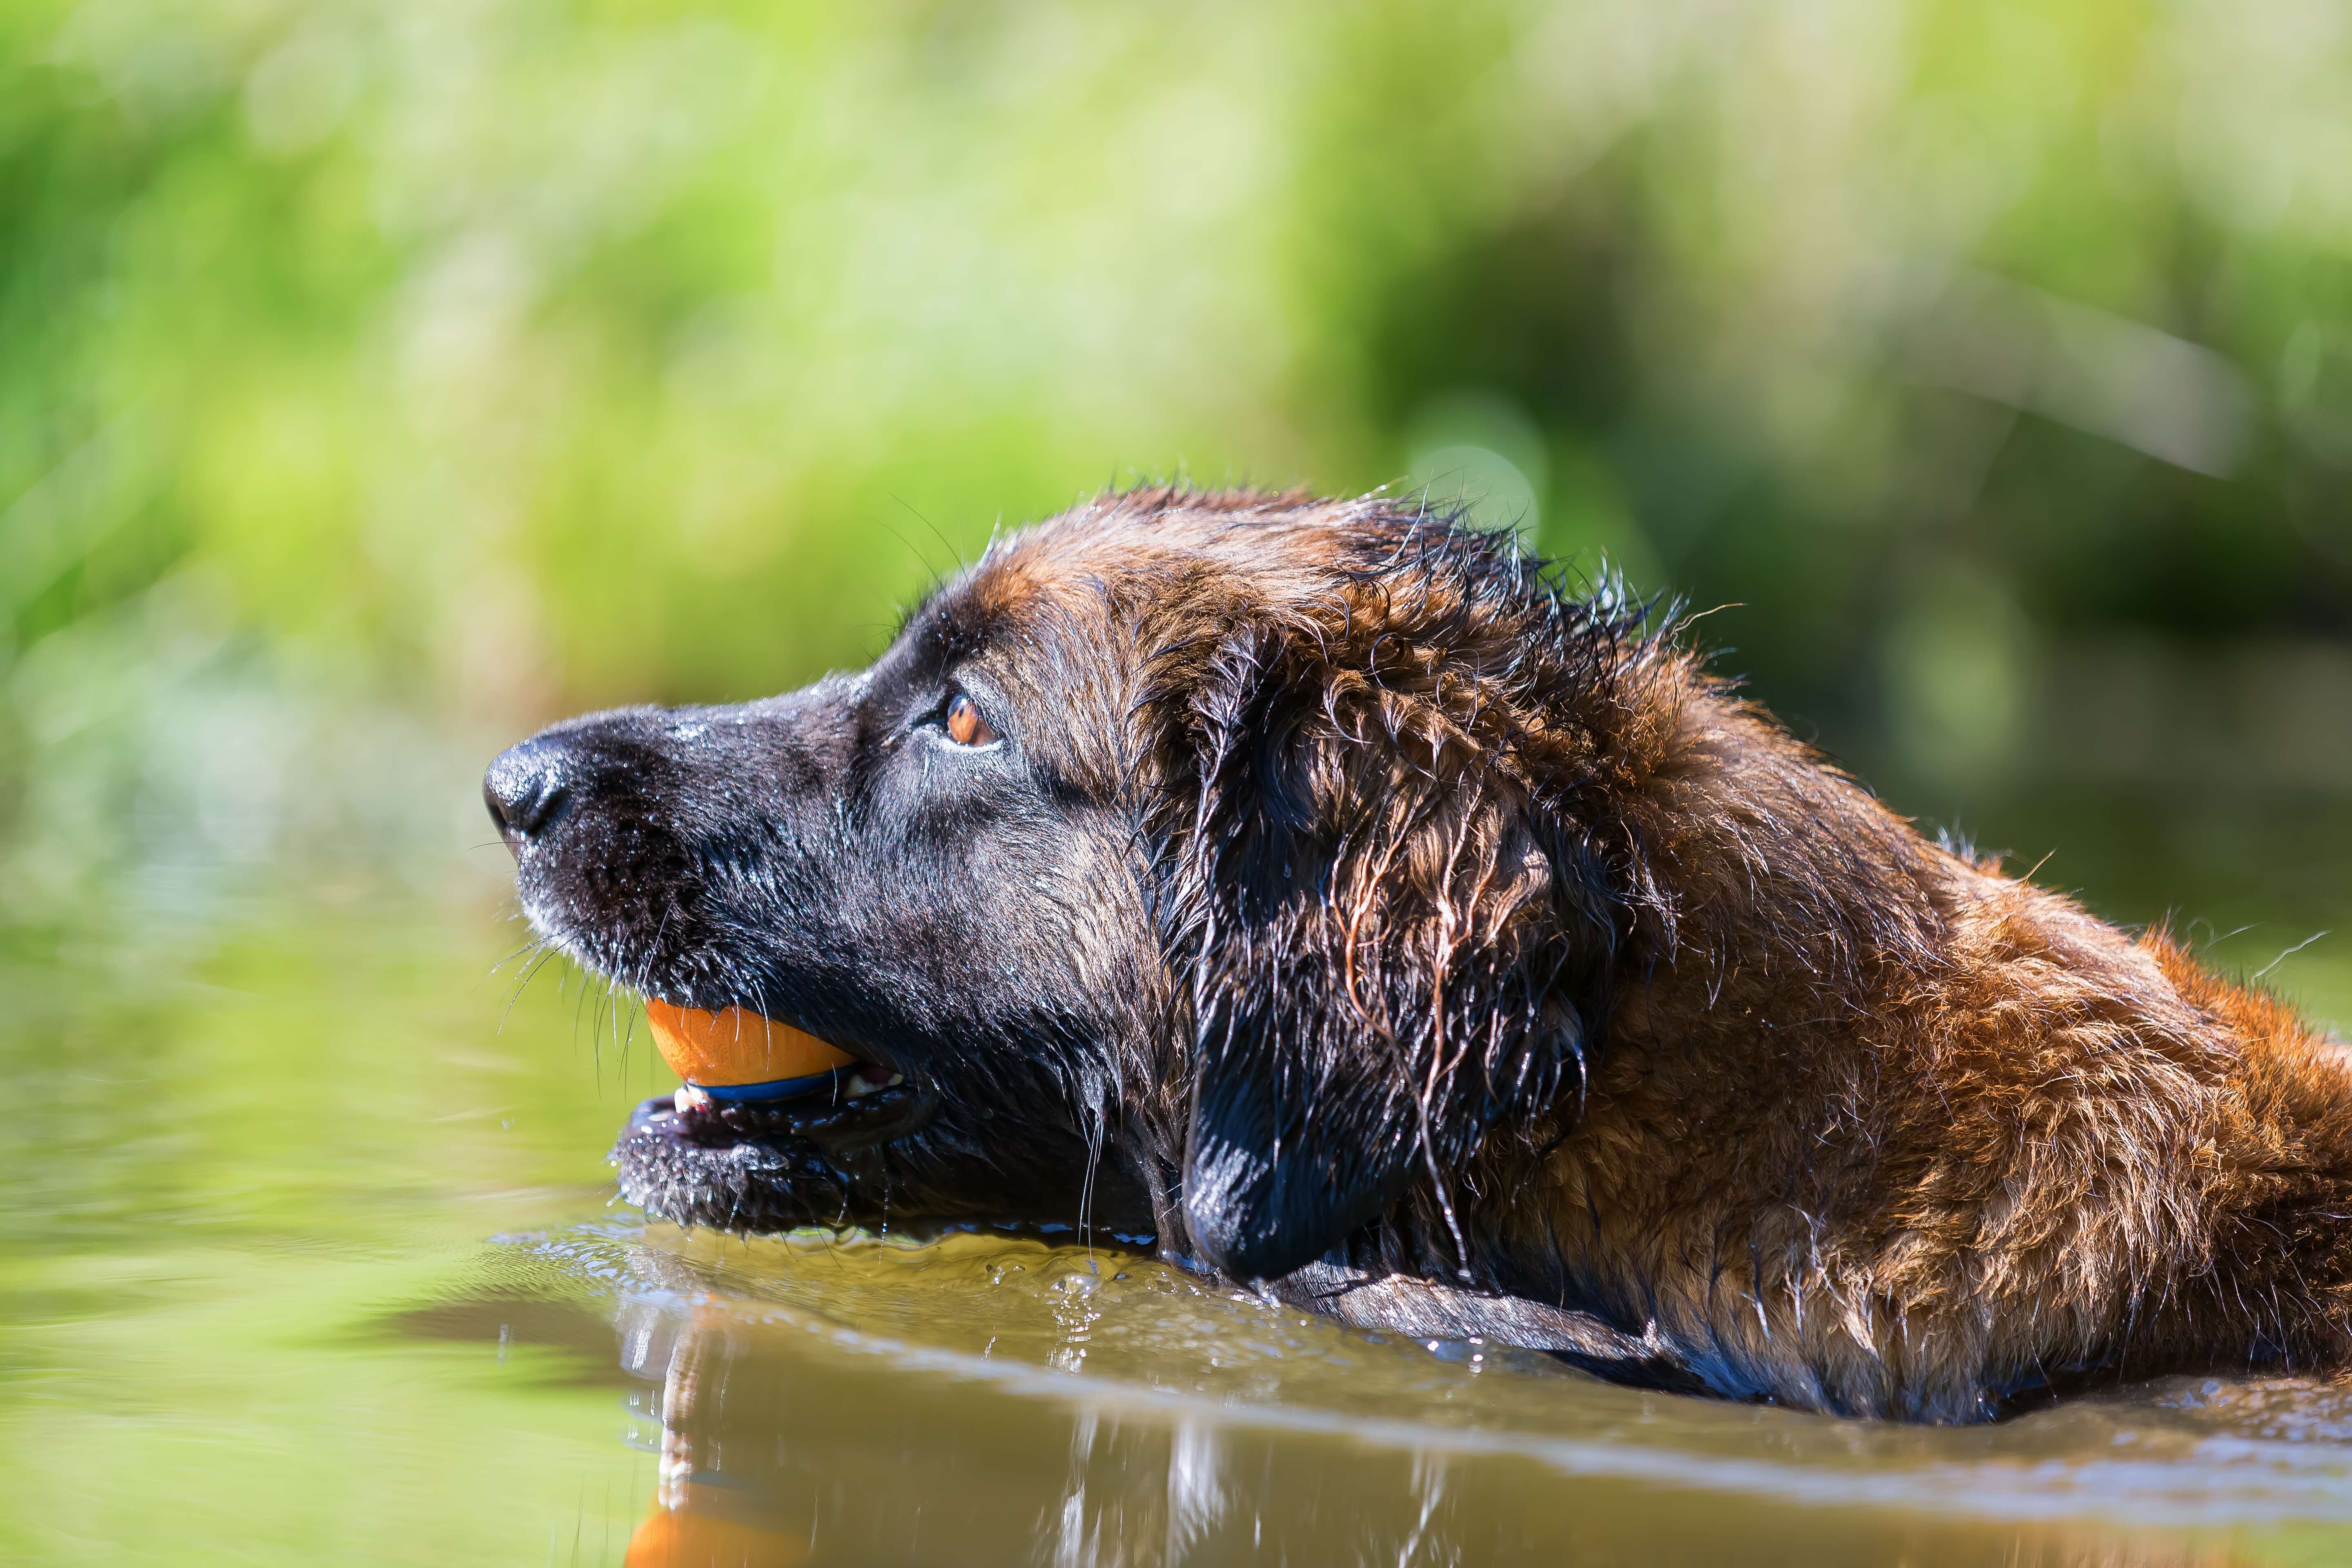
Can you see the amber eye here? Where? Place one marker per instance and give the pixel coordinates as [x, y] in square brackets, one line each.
[967, 726]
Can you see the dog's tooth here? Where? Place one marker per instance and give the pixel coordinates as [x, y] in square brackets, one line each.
[857, 1086]
[689, 1098]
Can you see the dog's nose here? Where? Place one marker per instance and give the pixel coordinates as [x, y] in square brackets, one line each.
[524, 789]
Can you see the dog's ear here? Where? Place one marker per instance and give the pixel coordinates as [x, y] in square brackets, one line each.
[1376, 922]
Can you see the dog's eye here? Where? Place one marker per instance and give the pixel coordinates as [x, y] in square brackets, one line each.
[966, 724]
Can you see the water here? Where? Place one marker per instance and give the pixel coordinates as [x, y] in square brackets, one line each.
[308, 1257]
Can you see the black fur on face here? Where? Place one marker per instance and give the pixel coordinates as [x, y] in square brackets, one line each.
[1264, 907]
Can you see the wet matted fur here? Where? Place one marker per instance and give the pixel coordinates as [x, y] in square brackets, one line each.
[1346, 909]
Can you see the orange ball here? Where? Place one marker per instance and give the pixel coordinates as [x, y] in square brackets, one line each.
[735, 1046]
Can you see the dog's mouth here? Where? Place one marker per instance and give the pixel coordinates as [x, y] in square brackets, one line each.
[749, 1077]
[849, 1114]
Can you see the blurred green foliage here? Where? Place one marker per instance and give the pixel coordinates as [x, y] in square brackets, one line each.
[483, 360]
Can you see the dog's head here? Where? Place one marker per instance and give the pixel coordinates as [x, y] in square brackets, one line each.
[1222, 867]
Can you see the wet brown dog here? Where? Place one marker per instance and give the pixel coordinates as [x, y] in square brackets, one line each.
[1311, 888]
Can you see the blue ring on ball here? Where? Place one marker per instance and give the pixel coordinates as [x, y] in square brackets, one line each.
[775, 1088]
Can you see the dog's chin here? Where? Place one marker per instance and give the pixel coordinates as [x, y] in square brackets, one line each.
[816, 1161]
[817, 1158]
[880, 1141]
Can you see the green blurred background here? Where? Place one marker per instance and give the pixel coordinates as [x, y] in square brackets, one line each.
[380, 376]
[380, 380]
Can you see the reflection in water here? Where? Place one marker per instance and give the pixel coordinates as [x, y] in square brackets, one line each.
[687, 1535]
[701, 1515]
[797, 1421]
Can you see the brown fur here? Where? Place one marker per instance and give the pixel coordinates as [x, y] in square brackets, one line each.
[1375, 924]
[1869, 1126]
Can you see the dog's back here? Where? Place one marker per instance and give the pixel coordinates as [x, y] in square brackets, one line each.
[1897, 1134]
